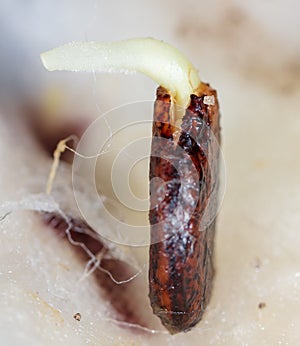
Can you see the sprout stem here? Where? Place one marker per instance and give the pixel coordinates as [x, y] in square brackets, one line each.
[156, 59]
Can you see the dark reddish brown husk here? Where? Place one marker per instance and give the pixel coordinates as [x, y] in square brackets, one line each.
[181, 250]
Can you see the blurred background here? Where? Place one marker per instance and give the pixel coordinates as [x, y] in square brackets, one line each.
[249, 52]
[257, 41]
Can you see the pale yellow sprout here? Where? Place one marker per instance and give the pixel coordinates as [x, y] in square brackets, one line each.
[160, 61]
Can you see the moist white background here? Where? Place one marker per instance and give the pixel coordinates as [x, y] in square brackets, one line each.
[250, 54]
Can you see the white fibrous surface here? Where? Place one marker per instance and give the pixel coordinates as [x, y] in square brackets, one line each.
[256, 291]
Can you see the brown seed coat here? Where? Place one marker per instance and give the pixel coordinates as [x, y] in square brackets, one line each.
[181, 270]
